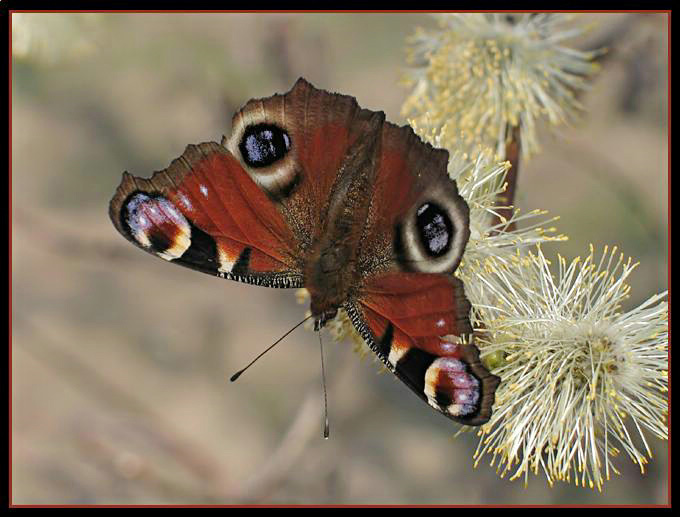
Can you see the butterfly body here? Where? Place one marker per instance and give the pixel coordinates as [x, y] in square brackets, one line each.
[332, 267]
[310, 190]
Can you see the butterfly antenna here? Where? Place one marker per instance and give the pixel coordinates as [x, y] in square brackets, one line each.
[238, 374]
[326, 426]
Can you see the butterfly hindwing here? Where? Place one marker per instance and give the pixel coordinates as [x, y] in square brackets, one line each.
[315, 128]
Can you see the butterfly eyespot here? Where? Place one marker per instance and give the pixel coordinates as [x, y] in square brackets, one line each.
[156, 224]
[435, 229]
[264, 144]
[265, 150]
[432, 235]
[451, 388]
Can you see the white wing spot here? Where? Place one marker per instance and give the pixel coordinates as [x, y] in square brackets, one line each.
[204, 190]
[185, 201]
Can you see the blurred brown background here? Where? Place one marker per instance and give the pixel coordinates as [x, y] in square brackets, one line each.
[120, 361]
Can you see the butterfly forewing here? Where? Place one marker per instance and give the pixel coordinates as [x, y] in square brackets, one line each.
[418, 325]
[204, 212]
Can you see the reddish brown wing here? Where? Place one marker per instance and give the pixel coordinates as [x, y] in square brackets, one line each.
[250, 208]
[412, 321]
[206, 213]
[318, 128]
[409, 307]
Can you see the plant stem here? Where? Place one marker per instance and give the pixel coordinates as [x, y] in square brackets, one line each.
[506, 199]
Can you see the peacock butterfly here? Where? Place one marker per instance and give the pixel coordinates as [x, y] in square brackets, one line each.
[310, 190]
